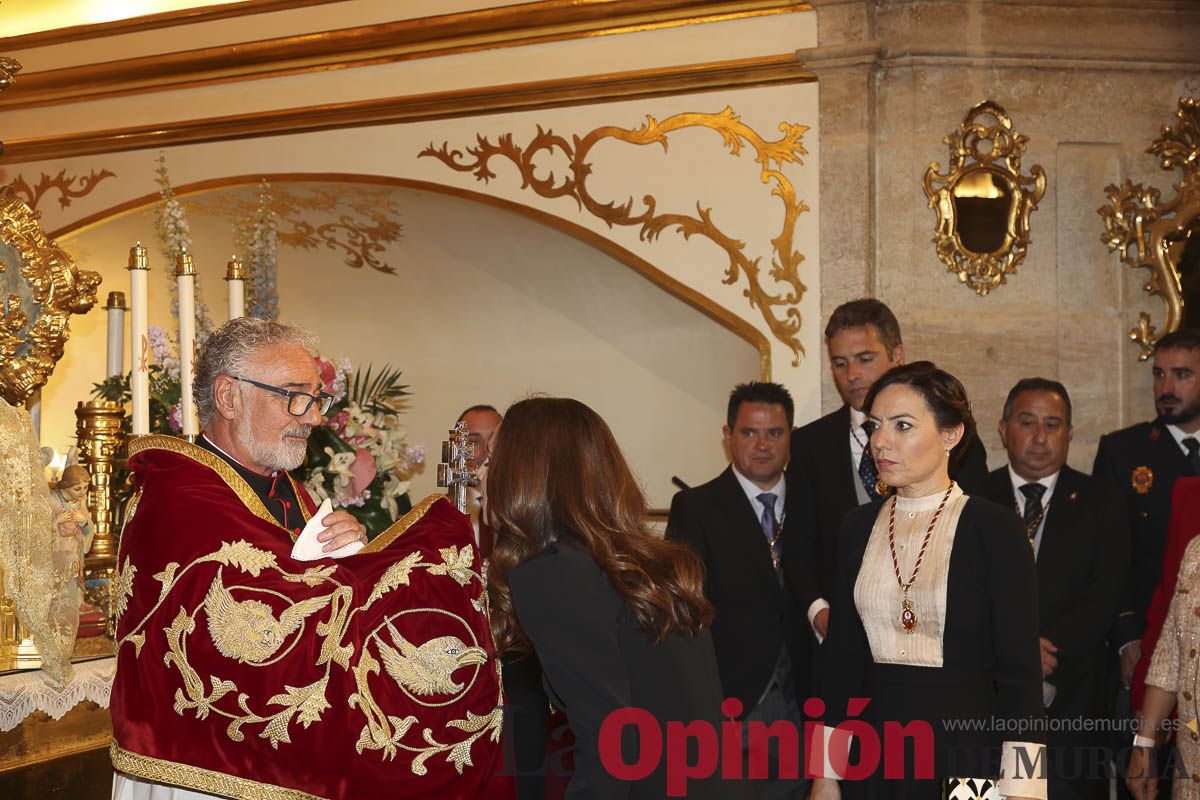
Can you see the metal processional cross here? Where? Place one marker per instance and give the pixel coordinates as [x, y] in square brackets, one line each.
[457, 470]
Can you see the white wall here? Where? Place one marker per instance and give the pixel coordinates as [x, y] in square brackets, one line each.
[487, 306]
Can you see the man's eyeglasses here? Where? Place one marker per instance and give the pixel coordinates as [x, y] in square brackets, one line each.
[298, 402]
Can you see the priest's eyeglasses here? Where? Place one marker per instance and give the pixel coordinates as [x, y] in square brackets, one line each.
[298, 402]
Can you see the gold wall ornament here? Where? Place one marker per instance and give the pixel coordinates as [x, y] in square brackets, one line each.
[983, 202]
[360, 221]
[40, 288]
[777, 308]
[63, 183]
[1162, 237]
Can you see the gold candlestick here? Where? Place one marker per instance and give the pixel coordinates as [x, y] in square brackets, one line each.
[101, 442]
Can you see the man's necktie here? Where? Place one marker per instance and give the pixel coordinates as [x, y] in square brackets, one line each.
[868, 474]
[1033, 507]
[770, 527]
[1193, 454]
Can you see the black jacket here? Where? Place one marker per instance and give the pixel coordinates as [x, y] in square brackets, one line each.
[821, 475]
[1141, 462]
[1081, 573]
[597, 659]
[756, 616]
[991, 666]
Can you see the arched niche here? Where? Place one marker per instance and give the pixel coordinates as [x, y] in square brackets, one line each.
[482, 300]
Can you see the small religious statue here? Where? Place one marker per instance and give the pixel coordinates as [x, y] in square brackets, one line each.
[72, 534]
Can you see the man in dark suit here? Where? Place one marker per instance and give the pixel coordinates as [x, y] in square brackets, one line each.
[1077, 528]
[831, 469]
[1142, 462]
[736, 524]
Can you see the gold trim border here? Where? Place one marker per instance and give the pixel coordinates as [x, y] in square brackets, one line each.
[199, 779]
[385, 43]
[400, 526]
[149, 22]
[702, 303]
[158, 441]
[509, 98]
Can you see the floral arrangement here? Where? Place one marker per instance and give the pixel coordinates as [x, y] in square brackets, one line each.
[166, 416]
[360, 458]
[258, 240]
[174, 237]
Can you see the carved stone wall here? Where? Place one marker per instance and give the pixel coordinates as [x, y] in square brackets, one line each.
[1090, 82]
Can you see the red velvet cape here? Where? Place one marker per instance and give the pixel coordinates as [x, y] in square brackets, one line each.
[244, 673]
[1183, 527]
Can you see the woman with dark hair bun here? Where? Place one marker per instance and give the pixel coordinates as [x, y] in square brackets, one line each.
[616, 615]
[934, 616]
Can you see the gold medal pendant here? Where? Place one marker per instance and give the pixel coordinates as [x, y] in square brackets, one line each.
[908, 616]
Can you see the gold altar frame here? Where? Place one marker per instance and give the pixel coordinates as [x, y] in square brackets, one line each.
[42, 289]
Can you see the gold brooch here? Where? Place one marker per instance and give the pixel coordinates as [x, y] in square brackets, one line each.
[1142, 479]
[881, 488]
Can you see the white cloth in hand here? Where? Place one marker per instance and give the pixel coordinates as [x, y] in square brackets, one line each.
[308, 548]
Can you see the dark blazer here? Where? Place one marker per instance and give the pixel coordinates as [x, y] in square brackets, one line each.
[597, 659]
[756, 616]
[1081, 574]
[1142, 463]
[991, 666]
[822, 476]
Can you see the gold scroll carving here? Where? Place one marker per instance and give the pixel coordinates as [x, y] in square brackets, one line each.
[63, 183]
[1162, 237]
[778, 307]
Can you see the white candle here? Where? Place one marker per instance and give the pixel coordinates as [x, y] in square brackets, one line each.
[235, 276]
[185, 276]
[139, 342]
[116, 333]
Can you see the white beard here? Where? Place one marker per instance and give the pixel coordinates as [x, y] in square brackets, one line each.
[284, 455]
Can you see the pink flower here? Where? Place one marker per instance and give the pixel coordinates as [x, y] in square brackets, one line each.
[362, 472]
[338, 421]
[328, 372]
[175, 417]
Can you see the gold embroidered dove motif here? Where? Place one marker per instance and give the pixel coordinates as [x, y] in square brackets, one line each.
[427, 669]
[247, 630]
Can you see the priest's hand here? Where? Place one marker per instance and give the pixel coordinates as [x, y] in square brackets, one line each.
[341, 528]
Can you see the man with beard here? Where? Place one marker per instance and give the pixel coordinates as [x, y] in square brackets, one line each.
[244, 672]
[1143, 461]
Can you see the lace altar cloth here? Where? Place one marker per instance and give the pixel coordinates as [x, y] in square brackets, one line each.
[23, 693]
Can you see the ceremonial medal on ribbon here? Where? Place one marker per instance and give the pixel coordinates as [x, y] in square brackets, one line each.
[1141, 479]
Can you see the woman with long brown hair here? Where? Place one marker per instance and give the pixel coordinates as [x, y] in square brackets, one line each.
[616, 614]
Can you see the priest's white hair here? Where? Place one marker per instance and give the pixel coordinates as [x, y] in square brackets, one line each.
[231, 347]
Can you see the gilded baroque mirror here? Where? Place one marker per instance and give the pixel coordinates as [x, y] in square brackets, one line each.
[983, 202]
[40, 289]
[1163, 237]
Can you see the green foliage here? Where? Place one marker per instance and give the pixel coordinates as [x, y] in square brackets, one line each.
[381, 394]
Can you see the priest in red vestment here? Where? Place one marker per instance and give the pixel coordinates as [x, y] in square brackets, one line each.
[243, 672]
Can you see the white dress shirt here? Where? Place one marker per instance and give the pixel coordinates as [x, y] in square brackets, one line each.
[753, 491]
[1178, 434]
[859, 442]
[1049, 482]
